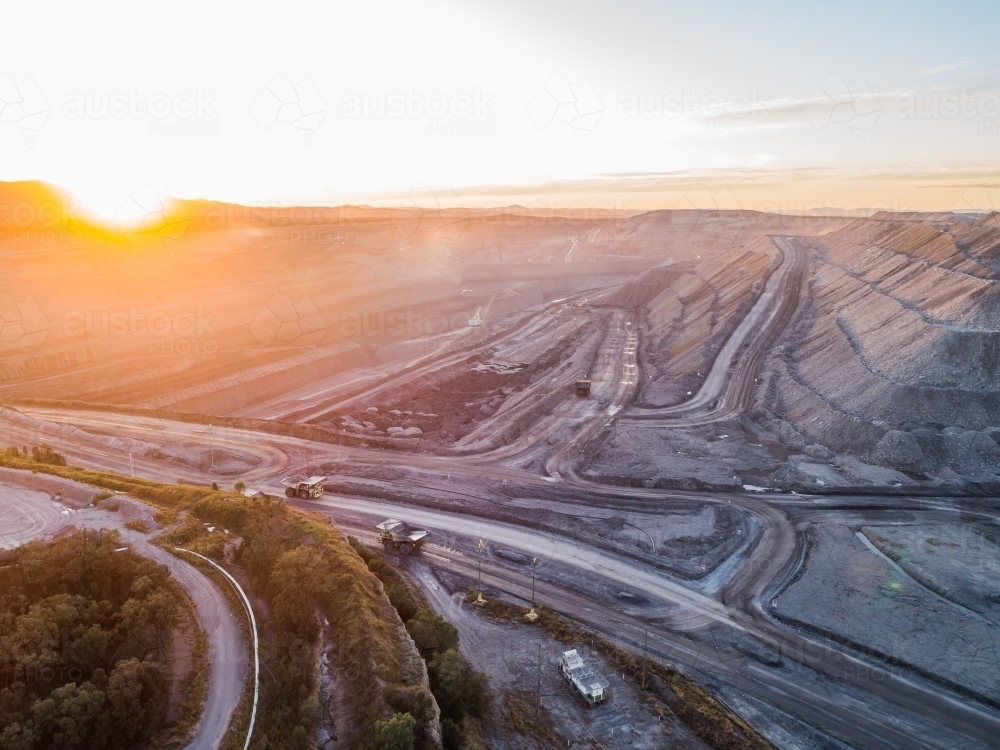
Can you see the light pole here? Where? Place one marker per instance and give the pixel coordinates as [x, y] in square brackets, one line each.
[532, 615]
[480, 602]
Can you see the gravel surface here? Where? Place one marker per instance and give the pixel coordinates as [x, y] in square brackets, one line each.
[850, 592]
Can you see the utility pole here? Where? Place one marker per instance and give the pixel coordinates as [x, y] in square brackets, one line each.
[538, 687]
[131, 463]
[534, 560]
[645, 638]
[532, 615]
[481, 546]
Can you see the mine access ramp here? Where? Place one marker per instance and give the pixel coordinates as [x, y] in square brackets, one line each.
[398, 536]
[590, 685]
[303, 487]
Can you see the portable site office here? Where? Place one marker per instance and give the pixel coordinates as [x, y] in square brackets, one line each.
[590, 685]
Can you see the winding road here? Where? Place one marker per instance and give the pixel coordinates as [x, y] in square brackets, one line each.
[27, 514]
[820, 683]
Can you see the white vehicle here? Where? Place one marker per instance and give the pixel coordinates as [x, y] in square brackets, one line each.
[303, 487]
[590, 685]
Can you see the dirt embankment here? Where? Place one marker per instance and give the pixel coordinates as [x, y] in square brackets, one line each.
[689, 318]
[896, 349]
[485, 397]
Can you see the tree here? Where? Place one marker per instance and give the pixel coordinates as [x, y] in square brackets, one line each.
[458, 688]
[451, 734]
[137, 692]
[431, 632]
[240, 487]
[72, 717]
[45, 455]
[396, 733]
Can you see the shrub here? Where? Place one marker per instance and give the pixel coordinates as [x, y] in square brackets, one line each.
[402, 600]
[432, 633]
[396, 733]
[451, 734]
[458, 688]
[45, 455]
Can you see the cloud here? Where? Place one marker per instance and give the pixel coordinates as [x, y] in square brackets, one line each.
[943, 68]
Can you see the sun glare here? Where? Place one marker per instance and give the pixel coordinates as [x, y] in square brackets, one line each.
[107, 205]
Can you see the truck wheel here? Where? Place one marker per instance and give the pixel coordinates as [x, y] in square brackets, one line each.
[406, 548]
[304, 494]
[289, 492]
[387, 545]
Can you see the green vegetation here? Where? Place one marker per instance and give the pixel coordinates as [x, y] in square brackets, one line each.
[85, 635]
[302, 569]
[462, 694]
[42, 454]
[396, 733]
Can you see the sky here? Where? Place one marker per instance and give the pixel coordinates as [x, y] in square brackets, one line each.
[788, 106]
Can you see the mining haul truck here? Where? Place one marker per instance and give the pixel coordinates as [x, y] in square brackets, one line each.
[397, 536]
[303, 487]
[590, 685]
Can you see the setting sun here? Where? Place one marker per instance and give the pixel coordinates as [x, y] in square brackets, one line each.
[467, 375]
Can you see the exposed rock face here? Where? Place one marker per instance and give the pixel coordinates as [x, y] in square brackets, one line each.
[896, 354]
[899, 450]
[693, 313]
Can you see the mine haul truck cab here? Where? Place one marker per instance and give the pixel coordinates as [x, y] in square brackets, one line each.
[303, 487]
[397, 536]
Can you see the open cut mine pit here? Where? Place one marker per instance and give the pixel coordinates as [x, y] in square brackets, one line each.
[761, 450]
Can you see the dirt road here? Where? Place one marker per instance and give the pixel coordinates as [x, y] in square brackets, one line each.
[27, 514]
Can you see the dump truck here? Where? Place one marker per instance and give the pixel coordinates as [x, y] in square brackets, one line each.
[303, 487]
[398, 536]
[583, 387]
[590, 685]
